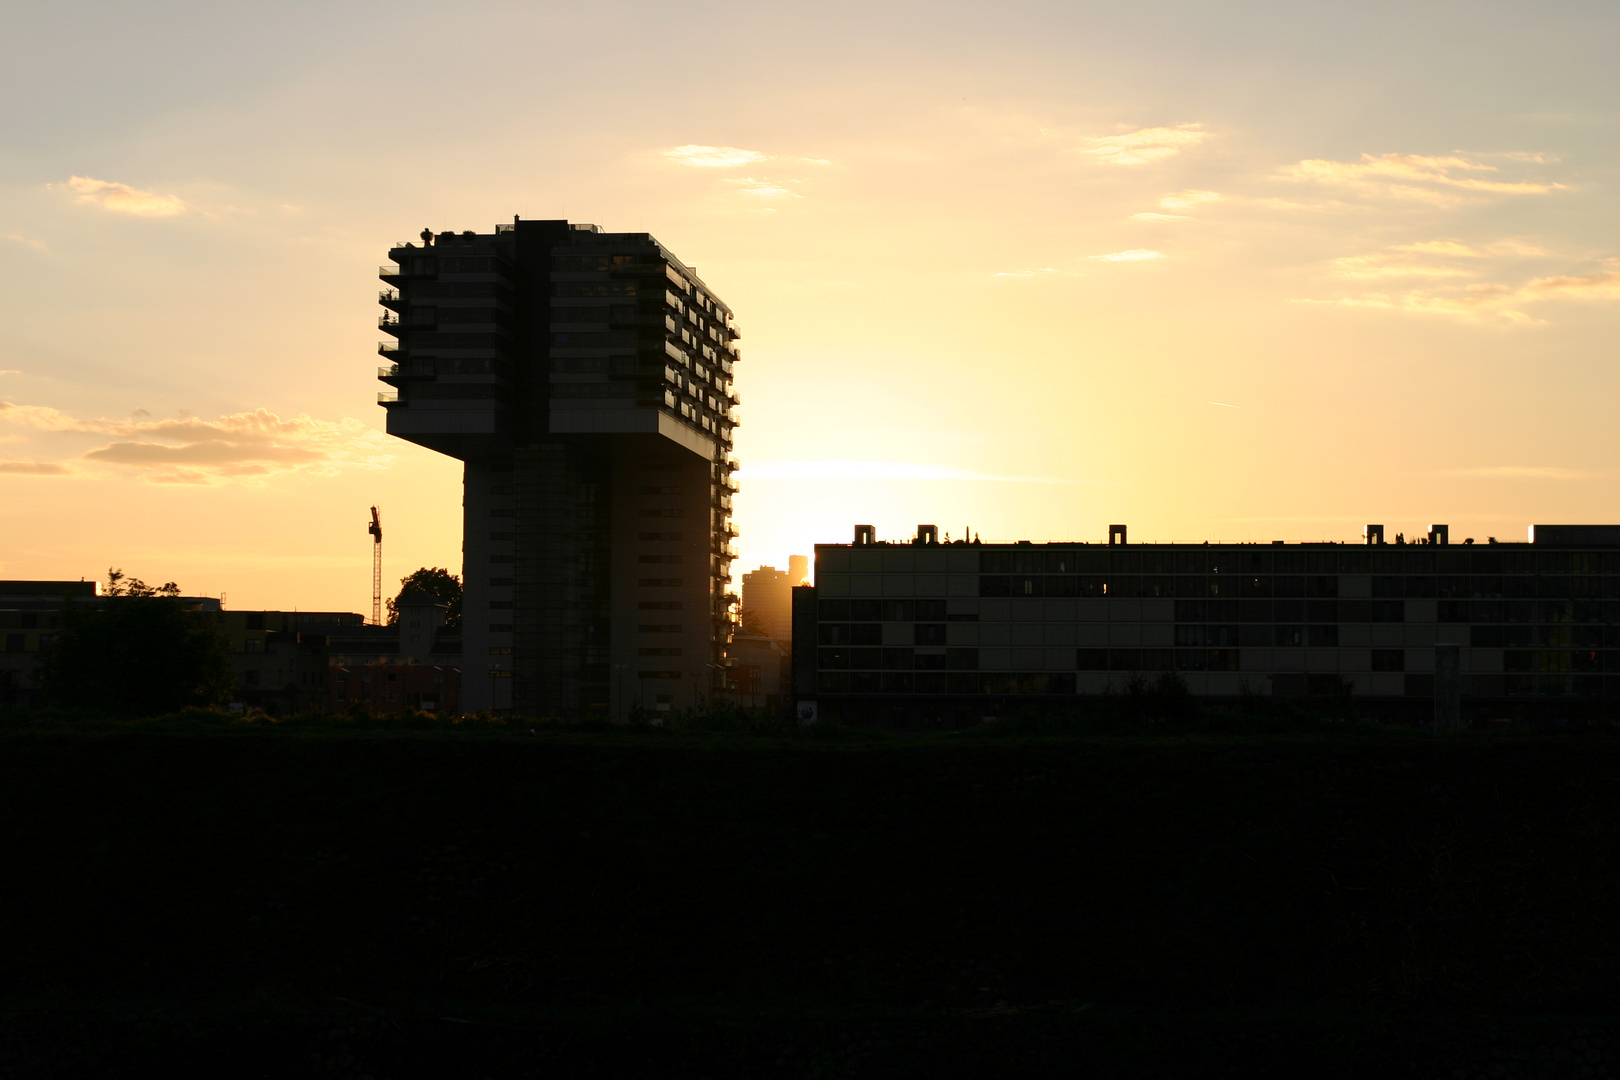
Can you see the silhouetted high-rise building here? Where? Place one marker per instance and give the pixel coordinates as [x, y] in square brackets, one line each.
[584, 378]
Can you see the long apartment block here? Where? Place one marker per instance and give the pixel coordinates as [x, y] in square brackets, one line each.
[585, 379]
[924, 631]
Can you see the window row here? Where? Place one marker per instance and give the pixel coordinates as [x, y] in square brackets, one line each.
[1338, 559]
[881, 610]
[897, 658]
[872, 634]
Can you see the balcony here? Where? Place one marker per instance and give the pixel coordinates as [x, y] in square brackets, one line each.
[388, 397]
[389, 297]
[390, 271]
[389, 371]
[388, 323]
[388, 348]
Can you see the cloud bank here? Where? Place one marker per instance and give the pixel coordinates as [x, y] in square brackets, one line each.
[242, 446]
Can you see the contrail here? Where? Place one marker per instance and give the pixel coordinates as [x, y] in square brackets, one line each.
[1223, 404]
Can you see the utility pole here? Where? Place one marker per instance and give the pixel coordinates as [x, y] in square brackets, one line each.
[375, 529]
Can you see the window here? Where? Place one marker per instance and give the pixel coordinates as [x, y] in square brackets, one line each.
[672, 513]
[646, 489]
[251, 678]
[500, 650]
[500, 558]
[500, 581]
[930, 634]
[662, 650]
[1389, 659]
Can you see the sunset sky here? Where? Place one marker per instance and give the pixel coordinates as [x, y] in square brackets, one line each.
[1225, 271]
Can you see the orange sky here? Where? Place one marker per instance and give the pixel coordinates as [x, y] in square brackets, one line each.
[1232, 272]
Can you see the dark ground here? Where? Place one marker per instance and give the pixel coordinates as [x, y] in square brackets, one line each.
[265, 903]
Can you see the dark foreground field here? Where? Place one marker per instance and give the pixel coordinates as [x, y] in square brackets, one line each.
[438, 905]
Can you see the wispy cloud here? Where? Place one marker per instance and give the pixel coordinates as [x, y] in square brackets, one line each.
[1133, 255]
[764, 189]
[26, 241]
[1145, 145]
[1148, 215]
[1189, 200]
[1505, 303]
[1522, 472]
[32, 468]
[1414, 177]
[713, 157]
[1378, 266]
[246, 446]
[121, 198]
[1418, 259]
[877, 470]
[1459, 250]
[9, 371]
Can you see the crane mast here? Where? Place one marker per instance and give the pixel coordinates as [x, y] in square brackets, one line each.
[375, 529]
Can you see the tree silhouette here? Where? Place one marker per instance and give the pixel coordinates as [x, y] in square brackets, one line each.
[139, 652]
[437, 582]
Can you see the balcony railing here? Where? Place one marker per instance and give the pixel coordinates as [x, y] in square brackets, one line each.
[388, 296]
[388, 397]
[388, 348]
[388, 371]
[390, 270]
[388, 322]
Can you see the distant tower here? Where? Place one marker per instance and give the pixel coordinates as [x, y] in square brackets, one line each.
[798, 569]
[768, 593]
[375, 529]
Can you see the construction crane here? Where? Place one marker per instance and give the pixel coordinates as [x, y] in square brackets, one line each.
[375, 529]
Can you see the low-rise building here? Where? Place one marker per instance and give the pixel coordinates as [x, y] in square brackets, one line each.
[922, 632]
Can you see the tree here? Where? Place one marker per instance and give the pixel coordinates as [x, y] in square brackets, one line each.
[139, 652]
[438, 583]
